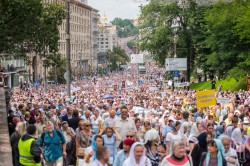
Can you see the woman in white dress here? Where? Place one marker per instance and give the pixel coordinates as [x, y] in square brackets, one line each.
[137, 156]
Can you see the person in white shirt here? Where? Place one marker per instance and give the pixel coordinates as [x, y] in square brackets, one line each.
[95, 121]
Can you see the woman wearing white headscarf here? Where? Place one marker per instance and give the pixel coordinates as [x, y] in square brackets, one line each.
[137, 156]
[183, 134]
[194, 129]
[237, 137]
[152, 146]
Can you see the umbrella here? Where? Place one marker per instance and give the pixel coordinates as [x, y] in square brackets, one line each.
[108, 96]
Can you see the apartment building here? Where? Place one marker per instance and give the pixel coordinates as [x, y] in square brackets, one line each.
[83, 39]
[107, 37]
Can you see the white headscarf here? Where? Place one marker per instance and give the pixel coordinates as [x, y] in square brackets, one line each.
[131, 159]
[237, 136]
[151, 135]
[181, 131]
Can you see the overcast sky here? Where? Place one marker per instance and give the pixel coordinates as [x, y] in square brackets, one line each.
[125, 9]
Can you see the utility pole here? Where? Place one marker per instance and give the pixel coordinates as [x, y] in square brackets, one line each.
[45, 79]
[68, 47]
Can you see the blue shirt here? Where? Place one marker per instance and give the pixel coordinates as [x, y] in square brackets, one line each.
[166, 129]
[196, 115]
[52, 145]
[120, 158]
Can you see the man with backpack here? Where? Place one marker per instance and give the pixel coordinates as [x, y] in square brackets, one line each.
[51, 141]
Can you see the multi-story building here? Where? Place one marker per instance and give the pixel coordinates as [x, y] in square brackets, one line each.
[107, 37]
[83, 34]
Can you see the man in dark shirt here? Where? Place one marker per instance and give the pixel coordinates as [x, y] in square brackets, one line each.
[75, 120]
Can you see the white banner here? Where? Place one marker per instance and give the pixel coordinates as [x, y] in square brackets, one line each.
[153, 88]
[222, 100]
[181, 84]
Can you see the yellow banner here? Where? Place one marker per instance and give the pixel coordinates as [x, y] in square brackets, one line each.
[205, 98]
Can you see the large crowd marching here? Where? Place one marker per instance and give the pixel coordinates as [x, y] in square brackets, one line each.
[115, 120]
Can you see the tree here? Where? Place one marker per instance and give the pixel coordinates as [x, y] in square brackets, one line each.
[58, 68]
[227, 49]
[214, 37]
[117, 55]
[46, 37]
[125, 28]
[18, 22]
[28, 26]
[157, 38]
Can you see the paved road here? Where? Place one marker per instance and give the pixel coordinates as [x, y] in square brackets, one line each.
[5, 148]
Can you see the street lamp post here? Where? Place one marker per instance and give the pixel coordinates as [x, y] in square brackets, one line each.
[80, 58]
[175, 25]
[67, 30]
[44, 75]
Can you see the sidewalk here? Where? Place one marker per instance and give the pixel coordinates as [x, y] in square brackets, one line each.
[5, 148]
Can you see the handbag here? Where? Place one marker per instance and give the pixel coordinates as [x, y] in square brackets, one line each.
[81, 151]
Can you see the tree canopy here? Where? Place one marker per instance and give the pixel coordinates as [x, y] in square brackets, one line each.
[213, 37]
[29, 26]
[117, 55]
[125, 27]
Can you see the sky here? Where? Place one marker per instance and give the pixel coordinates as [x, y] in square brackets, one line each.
[125, 9]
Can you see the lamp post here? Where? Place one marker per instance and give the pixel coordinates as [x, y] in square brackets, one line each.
[175, 26]
[67, 30]
[44, 75]
[80, 63]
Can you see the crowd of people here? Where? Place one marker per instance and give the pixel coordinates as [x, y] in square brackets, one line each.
[114, 120]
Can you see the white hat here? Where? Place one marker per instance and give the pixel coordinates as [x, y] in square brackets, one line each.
[245, 120]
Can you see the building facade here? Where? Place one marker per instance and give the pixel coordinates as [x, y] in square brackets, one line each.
[13, 72]
[83, 39]
[107, 37]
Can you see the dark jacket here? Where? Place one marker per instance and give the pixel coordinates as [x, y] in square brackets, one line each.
[199, 148]
[203, 157]
[14, 145]
[74, 122]
[34, 150]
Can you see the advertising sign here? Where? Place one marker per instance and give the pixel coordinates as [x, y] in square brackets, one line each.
[176, 64]
[205, 98]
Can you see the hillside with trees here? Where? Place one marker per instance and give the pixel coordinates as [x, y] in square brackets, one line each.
[125, 27]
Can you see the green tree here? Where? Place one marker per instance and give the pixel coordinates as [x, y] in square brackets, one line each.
[58, 69]
[157, 36]
[29, 26]
[117, 55]
[131, 44]
[46, 38]
[125, 27]
[18, 22]
[227, 48]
